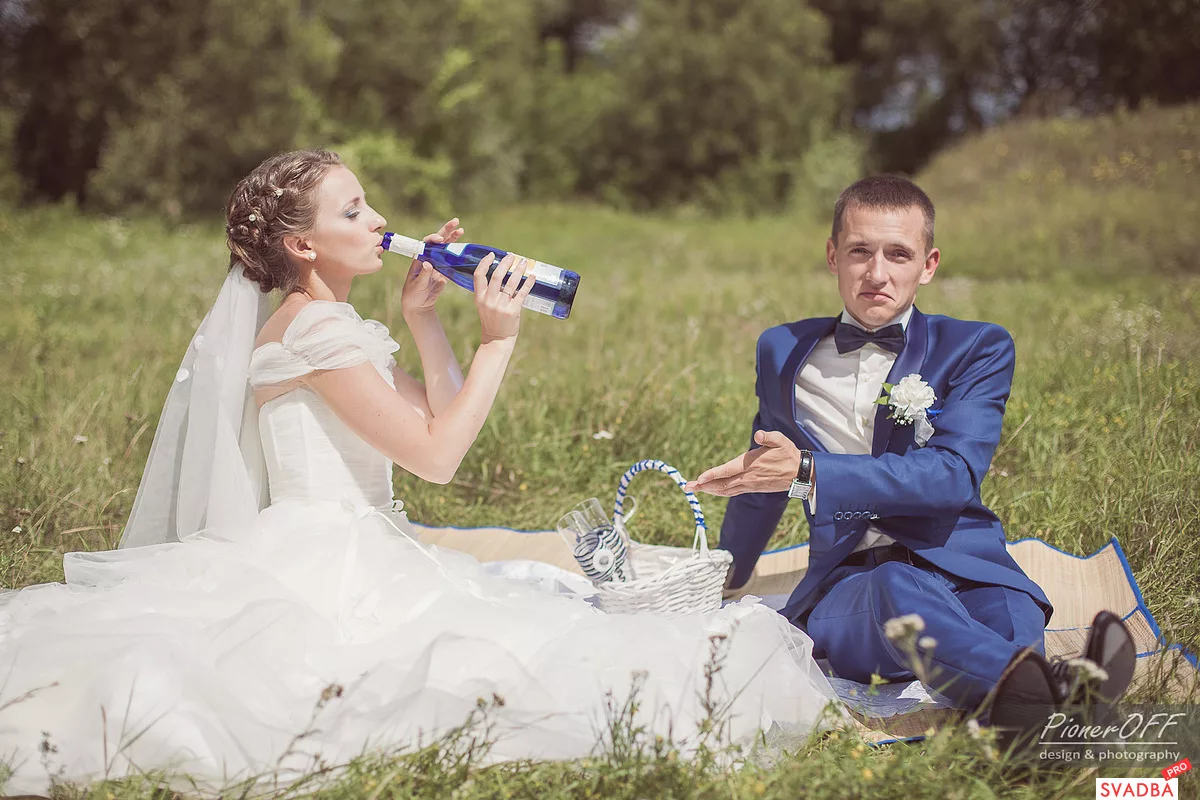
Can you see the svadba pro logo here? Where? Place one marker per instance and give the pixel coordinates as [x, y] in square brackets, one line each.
[1117, 788]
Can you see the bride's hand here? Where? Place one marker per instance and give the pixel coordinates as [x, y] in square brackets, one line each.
[499, 299]
[424, 284]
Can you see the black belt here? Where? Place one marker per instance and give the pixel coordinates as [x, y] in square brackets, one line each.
[874, 556]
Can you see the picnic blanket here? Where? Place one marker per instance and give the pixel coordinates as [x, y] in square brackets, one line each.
[1078, 586]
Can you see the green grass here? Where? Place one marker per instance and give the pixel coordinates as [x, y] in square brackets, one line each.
[1078, 237]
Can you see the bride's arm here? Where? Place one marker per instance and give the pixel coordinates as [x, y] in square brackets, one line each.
[395, 424]
[443, 376]
[430, 447]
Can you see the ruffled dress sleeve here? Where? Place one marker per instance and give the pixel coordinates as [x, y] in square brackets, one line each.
[323, 336]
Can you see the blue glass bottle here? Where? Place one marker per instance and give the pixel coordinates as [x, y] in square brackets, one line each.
[553, 290]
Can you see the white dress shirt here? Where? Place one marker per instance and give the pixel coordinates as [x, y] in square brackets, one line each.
[835, 402]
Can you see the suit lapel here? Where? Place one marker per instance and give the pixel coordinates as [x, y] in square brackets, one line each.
[909, 361]
[791, 370]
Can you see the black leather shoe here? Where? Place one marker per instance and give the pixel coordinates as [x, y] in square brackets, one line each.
[1023, 700]
[1110, 647]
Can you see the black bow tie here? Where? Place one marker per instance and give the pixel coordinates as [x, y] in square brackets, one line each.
[851, 337]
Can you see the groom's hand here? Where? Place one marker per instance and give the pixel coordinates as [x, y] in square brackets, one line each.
[770, 467]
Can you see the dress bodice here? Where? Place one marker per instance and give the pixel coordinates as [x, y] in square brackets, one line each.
[310, 453]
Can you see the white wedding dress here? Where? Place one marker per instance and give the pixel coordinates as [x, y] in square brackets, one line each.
[209, 657]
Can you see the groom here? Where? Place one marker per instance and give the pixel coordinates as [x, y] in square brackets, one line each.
[891, 492]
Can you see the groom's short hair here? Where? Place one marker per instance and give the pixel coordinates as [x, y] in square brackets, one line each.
[884, 193]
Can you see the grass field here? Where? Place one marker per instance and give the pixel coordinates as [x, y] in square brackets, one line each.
[1080, 238]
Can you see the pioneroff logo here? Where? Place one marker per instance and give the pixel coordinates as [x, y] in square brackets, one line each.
[1136, 727]
[1138, 739]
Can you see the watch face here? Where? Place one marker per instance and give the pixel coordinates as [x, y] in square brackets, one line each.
[799, 491]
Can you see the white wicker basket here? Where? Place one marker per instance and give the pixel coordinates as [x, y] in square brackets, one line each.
[675, 580]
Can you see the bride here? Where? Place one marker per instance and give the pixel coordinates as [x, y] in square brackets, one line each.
[268, 585]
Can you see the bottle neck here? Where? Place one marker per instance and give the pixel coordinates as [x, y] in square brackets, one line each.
[402, 245]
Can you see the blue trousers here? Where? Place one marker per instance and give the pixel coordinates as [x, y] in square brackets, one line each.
[977, 627]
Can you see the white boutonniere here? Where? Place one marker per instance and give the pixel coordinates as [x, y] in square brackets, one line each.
[910, 400]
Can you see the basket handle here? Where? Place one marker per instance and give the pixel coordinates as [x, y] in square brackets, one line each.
[700, 540]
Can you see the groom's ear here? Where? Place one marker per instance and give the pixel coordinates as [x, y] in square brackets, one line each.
[931, 264]
[831, 255]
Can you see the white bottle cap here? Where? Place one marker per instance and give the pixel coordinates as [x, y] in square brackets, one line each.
[404, 246]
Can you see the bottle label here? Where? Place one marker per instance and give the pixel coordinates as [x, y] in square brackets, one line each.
[541, 305]
[544, 273]
[456, 248]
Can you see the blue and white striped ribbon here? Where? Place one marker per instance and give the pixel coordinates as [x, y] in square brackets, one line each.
[701, 539]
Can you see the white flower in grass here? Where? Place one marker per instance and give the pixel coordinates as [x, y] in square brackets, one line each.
[973, 729]
[602, 435]
[1089, 671]
[80, 439]
[899, 628]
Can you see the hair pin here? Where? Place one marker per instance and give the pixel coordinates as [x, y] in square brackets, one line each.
[253, 217]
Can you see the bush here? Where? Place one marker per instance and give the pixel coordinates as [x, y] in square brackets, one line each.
[394, 176]
[718, 102]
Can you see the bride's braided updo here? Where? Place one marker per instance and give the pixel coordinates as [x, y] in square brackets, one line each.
[277, 199]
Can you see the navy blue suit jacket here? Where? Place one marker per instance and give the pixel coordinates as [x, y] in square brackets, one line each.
[926, 498]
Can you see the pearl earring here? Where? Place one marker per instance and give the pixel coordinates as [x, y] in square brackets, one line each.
[312, 256]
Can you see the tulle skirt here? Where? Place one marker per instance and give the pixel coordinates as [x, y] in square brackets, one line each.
[329, 632]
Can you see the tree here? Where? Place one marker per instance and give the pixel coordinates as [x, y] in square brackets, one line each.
[928, 71]
[718, 101]
[577, 25]
[250, 81]
[162, 103]
[451, 79]
[1148, 50]
[925, 71]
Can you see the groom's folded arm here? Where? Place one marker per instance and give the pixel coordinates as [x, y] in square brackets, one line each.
[943, 477]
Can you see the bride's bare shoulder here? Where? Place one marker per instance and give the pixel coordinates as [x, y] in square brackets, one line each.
[278, 323]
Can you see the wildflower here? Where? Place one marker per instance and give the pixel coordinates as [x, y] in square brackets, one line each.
[330, 692]
[868, 774]
[903, 627]
[602, 435]
[973, 729]
[79, 439]
[1089, 671]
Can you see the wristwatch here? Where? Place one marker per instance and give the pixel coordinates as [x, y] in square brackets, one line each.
[802, 485]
